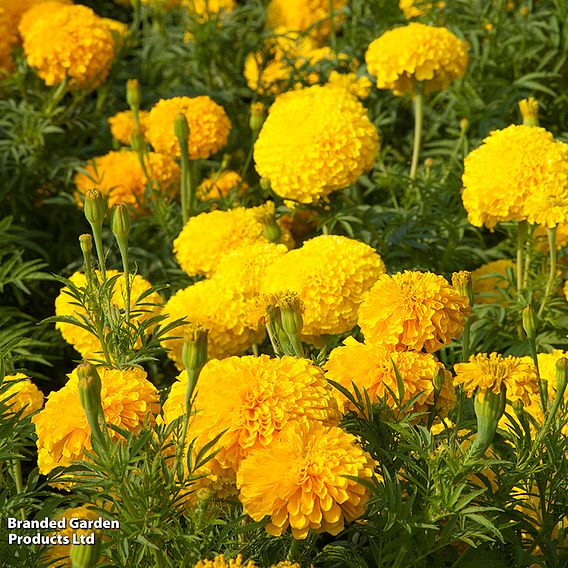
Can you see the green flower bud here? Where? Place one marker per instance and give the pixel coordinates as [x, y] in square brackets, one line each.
[194, 350]
[265, 184]
[489, 407]
[133, 94]
[439, 379]
[85, 555]
[95, 207]
[120, 221]
[561, 377]
[257, 117]
[464, 125]
[90, 387]
[291, 309]
[86, 243]
[461, 281]
[181, 129]
[529, 322]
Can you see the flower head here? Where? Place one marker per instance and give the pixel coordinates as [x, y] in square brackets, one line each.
[69, 42]
[128, 398]
[86, 343]
[494, 372]
[304, 15]
[209, 126]
[221, 185]
[331, 274]
[413, 53]
[414, 8]
[371, 368]
[220, 562]
[413, 310]
[21, 394]
[222, 310]
[122, 124]
[120, 177]
[315, 141]
[518, 173]
[207, 237]
[301, 481]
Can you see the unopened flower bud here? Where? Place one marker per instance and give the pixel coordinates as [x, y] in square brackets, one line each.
[133, 94]
[461, 281]
[194, 351]
[86, 555]
[464, 125]
[524, 11]
[529, 322]
[181, 129]
[265, 184]
[120, 221]
[291, 310]
[90, 387]
[518, 407]
[86, 243]
[95, 207]
[257, 117]
[489, 407]
[529, 111]
[439, 379]
[561, 377]
[428, 163]
[225, 162]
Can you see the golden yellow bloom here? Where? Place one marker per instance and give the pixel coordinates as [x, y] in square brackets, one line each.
[122, 124]
[315, 141]
[490, 280]
[208, 236]
[119, 176]
[222, 310]
[370, 367]
[413, 8]
[83, 341]
[69, 42]
[331, 274]
[494, 372]
[518, 173]
[252, 399]
[305, 15]
[209, 126]
[413, 310]
[63, 433]
[220, 562]
[409, 54]
[59, 553]
[360, 87]
[300, 480]
[21, 395]
[221, 185]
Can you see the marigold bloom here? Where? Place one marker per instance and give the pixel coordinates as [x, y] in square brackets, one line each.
[304, 15]
[489, 281]
[300, 480]
[63, 433]
[119, 176]
[331, 274]
[414, 8]
[221, 185]
[220, 562]
[69, 42]
[371, 368]
[494, 372]
[21, 395]
[122, 124]
[209, 126]
[518, 173]
[86, 343]
[416, 52]
[315, 141]
[207, 237]
[413, 310]
[360, 87]
[222, 310]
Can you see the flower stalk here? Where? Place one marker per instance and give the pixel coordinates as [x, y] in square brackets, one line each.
[552, 273]
[95, 211]
[90, 388]
[181, 129]
[418, 127]
[120, 226]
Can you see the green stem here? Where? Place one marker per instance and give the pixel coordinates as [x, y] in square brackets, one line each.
[466, 340]
[521, 238]
[552, 273]
[126, 270]
[17, 473]
[418, 124]
[185, 184]
[97, 234]
[332, 37]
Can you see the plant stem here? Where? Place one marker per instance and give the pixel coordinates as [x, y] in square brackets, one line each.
[521, 238]
[552, 273]
[126, 270]
[418, 123]
[17, 473]
[332, 37]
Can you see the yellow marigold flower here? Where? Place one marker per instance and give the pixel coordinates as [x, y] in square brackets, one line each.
[208, 236]
[315, 141]
[493, 372]
[122, 124]
[370, 367]
[83, 341]
[209, 126]
[413, 8]
[518, 173]
[119, 176]
[221, 185]
[357, 86]
[222, 310]
[204, 8]
[63, 434]
[220, 562]
[21, 395]
[529, 111]
[416, 52]
[70, 42]
[489, 281]
[331, 274]
[305, 15]
[413, 310]
[300, 480]
[251, 399]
